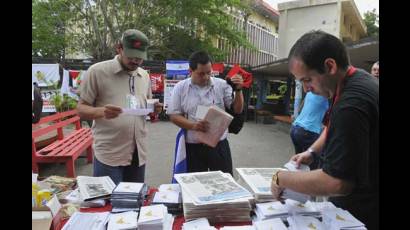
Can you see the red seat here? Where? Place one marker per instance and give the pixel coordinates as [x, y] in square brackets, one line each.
[65, 149]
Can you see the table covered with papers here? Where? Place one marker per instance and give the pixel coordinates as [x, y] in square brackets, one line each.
[179, 220]
[202, 200]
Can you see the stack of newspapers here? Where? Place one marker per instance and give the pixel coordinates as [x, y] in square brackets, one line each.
[170, 196]
[258, 180]
[155, 217]
[128, 196]
[215, 196]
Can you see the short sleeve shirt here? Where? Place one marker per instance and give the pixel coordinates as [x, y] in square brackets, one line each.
[351, 150]
[186, 97]
[115, 139]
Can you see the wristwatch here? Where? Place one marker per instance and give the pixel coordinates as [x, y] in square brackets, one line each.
[238, 90]
[275, 178]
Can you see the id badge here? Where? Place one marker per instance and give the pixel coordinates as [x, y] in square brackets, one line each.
[132, 102]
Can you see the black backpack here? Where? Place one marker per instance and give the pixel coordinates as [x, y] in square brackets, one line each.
[37, 105]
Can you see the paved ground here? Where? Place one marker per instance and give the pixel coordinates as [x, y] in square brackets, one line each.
[257, 145]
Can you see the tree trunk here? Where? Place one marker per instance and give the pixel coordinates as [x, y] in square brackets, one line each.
[97, 33]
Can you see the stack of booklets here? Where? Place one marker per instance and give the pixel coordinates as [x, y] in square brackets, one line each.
[297, 208]
[128, 196]
[305, 223]
[170, 196]
[155, 217]
[123, 221]
[271, 210]
[215, 196]
[270, 224]
[339, 219]
[198, 224]
[258, 180]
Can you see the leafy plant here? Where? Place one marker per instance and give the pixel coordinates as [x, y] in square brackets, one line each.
[63, 102]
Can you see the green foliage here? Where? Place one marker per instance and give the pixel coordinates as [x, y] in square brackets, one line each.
[63, 102]
[50, 20]
[175, 28]
[371, 19]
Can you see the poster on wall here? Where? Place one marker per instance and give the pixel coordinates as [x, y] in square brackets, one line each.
[45, 74]
[169, 87]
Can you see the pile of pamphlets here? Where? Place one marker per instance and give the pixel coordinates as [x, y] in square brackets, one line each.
[128, 196]
[170, 196]
[123, 221]
[155, 217]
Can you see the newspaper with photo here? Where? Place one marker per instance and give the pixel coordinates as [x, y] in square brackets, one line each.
[209, 187]
[95, 187]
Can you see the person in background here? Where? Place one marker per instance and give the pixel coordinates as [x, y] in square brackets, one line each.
[375, 70]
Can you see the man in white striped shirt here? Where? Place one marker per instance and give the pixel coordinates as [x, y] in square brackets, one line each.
[203, 90]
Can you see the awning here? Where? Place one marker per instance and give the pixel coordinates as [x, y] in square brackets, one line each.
[363, 54]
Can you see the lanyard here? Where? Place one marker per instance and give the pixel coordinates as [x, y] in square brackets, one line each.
[326, 120]
[131, 84]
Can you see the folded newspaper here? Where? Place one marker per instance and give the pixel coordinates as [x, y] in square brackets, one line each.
[219, 121]
[259, 181]
[95, 187]
[92, 221]
[209, 187]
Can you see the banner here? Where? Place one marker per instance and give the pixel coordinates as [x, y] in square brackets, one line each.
[177, 67]
[45, 74]
[65, 86]
[79, 79]
[74, 73]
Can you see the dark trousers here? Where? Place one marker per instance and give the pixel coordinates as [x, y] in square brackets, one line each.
[129, 173]
[201, 157]
[302, 139]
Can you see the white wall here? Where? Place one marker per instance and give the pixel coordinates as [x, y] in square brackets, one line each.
[293, 23]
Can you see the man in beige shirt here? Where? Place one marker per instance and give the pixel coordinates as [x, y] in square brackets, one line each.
[119, 139]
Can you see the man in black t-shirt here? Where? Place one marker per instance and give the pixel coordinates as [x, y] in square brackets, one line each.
[350, 142]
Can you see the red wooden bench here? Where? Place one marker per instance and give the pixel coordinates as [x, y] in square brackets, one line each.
[65, 149]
